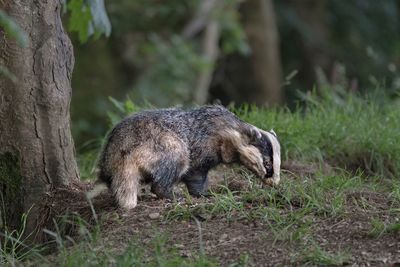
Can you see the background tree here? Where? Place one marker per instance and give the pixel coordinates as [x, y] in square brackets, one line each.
[209, 44]
[263, 37]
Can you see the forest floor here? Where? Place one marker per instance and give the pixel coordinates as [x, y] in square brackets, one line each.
[317, 216]
[338, 202]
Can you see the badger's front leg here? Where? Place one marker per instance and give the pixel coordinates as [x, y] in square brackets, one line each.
[162, 190]
[197, 184]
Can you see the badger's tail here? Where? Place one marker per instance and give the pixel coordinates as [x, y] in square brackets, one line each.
[98, 188]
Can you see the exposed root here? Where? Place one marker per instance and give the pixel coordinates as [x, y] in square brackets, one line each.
[68, 202]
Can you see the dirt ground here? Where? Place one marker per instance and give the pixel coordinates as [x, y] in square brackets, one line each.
[235, 239]
[229, 240]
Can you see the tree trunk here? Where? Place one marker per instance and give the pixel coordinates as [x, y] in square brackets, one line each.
[263, 37]
[36, 146]
[210, 53]
[313, 46]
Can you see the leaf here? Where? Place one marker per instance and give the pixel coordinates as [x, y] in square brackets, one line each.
[80, 18]
[117, 104]
[13, 29]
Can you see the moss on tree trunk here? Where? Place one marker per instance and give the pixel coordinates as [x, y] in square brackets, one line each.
[10, 184]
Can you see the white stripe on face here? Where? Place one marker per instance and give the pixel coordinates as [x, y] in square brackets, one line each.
[276, 154]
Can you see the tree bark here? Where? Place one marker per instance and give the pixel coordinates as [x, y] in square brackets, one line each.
[36, 146]
[314, 48]
[263, 38]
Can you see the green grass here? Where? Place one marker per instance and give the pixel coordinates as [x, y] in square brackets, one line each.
[355, 134]
[288, 210]
[323, 195]
[90, 248]
[87, 159]
[13, 246]
[344, 130]
[340, 128]
[158, 253]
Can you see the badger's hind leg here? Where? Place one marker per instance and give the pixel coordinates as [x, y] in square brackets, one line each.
[166, 173]
[125, 185]
[162, 161]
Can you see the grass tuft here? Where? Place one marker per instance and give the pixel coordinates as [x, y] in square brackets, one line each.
[317, 256]
[380, 228]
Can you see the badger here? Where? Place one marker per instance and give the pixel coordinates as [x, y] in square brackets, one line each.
[167, 146]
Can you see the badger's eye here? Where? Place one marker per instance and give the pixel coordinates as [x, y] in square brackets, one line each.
[267, 161]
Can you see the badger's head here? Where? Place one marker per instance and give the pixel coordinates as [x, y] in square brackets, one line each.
[268, 144]
[258, 150]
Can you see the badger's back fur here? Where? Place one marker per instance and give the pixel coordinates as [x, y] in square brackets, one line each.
[167, 146]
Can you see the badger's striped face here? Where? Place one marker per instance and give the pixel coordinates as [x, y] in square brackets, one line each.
[268, 144]
[259, 151]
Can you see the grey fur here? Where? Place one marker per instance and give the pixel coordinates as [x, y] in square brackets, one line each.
[167, 146]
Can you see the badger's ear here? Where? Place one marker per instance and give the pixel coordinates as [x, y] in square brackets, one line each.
[273, 132]
[254, 133]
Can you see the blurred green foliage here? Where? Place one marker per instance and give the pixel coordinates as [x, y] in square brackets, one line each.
[168, 61]
[80, 19]
[88, 18]
[171, 67]
[362, 35]
[355, 44]
[121, 110]
[147, 57]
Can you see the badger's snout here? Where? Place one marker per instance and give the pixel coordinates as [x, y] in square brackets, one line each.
[269, 168]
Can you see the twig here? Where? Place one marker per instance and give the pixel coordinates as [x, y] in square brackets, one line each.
[200, 235]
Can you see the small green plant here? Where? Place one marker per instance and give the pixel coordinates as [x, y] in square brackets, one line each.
[380, 228]
[288, 226]
[122, 109]
[14, 247]
[87, 158]
[395, 192]
[219, 203]
[244, 261]
[315, 255]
